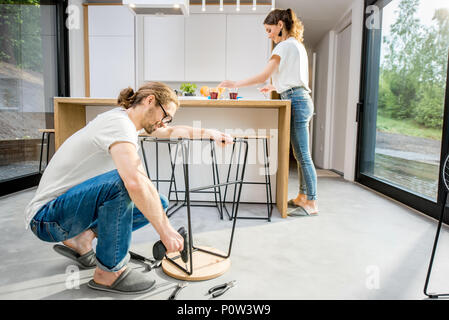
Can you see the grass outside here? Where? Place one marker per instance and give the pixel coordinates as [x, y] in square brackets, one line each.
[406, 127]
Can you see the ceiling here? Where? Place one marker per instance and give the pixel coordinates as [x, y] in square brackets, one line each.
[318, 16]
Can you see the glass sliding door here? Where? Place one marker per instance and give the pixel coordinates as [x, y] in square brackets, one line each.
[403, 99]
[29, 58]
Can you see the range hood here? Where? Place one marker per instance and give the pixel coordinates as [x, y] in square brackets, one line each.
[158, 7]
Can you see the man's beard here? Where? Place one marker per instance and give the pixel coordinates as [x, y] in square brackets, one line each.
[151, 128]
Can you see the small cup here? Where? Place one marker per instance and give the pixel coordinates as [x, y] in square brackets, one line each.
[213, 92]
[233, 92]
[221, 93]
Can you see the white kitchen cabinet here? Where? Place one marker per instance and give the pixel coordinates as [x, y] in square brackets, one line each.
[247, 46]
[205, 47]
[111, 50]
[110, 21]
[111, 65]
[163, 48]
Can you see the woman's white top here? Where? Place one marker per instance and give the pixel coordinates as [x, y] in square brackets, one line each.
[293, 69]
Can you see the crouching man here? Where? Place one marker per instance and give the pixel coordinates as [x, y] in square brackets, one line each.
[95, 186]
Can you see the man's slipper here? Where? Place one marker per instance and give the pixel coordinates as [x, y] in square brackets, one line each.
[300, 212]
[87, 260]
[129, 282]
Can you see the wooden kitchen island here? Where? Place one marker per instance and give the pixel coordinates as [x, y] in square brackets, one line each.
[70, 116]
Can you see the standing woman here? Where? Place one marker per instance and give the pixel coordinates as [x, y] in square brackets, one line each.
[288, 67]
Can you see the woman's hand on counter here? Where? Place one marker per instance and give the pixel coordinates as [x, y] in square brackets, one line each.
[267, 89]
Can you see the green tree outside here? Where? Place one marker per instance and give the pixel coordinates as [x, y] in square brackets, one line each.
[20, 38]
[413, 73]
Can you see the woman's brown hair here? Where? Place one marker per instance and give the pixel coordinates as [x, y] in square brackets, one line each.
[293, 25]
[163, 94]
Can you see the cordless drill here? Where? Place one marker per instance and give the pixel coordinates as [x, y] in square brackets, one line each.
[159, 249]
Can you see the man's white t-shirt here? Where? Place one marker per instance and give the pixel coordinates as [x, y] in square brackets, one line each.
[82, 156]
[293, 69]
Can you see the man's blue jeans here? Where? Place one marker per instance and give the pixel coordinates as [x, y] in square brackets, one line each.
[102, 204]
[302, 112]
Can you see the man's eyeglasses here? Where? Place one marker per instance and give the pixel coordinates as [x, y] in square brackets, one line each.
[166, 119]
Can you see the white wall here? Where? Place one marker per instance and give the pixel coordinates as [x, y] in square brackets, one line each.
[323, 84]
[324, 92]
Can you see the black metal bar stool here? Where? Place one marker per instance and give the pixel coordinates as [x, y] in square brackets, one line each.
[185, 146]
[173, 187]
[47, 132]
[267, 182]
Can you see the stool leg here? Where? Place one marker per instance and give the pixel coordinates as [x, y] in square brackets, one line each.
[42, 151]
[187, 198]
[227, 180]
[172, 180]
[236, 178]
[189, 224]
[174, 168]
[240, 193]
[176, 207]
[216, 179]
[267, 179]
[172, 177]
[48, 148]
[213, 174]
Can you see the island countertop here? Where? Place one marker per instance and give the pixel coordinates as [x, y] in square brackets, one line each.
[70, 116]
[186, 102]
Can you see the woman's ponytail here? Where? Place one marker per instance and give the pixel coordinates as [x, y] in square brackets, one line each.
[297, 27]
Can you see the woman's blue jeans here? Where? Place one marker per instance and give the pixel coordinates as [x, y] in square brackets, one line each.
[102, 204]
[302, 112]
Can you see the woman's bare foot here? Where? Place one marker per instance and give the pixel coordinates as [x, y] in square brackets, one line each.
[82, 243]
[107, 278]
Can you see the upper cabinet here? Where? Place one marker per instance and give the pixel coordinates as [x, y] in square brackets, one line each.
[125, 50]
[205, 47]
[110, 21]
[163, 48]
[111, 50]
[247, 46]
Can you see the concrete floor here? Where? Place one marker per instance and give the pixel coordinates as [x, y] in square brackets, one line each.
[361, 246]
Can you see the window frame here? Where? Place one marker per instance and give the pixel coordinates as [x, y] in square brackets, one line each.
[63, 80]
[406, 197]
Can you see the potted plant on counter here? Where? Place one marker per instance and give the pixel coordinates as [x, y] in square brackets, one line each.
[188, 89]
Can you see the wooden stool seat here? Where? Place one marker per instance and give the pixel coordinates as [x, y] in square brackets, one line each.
[242, 136]
[205, 266]
[236, 136]
[47, 130]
